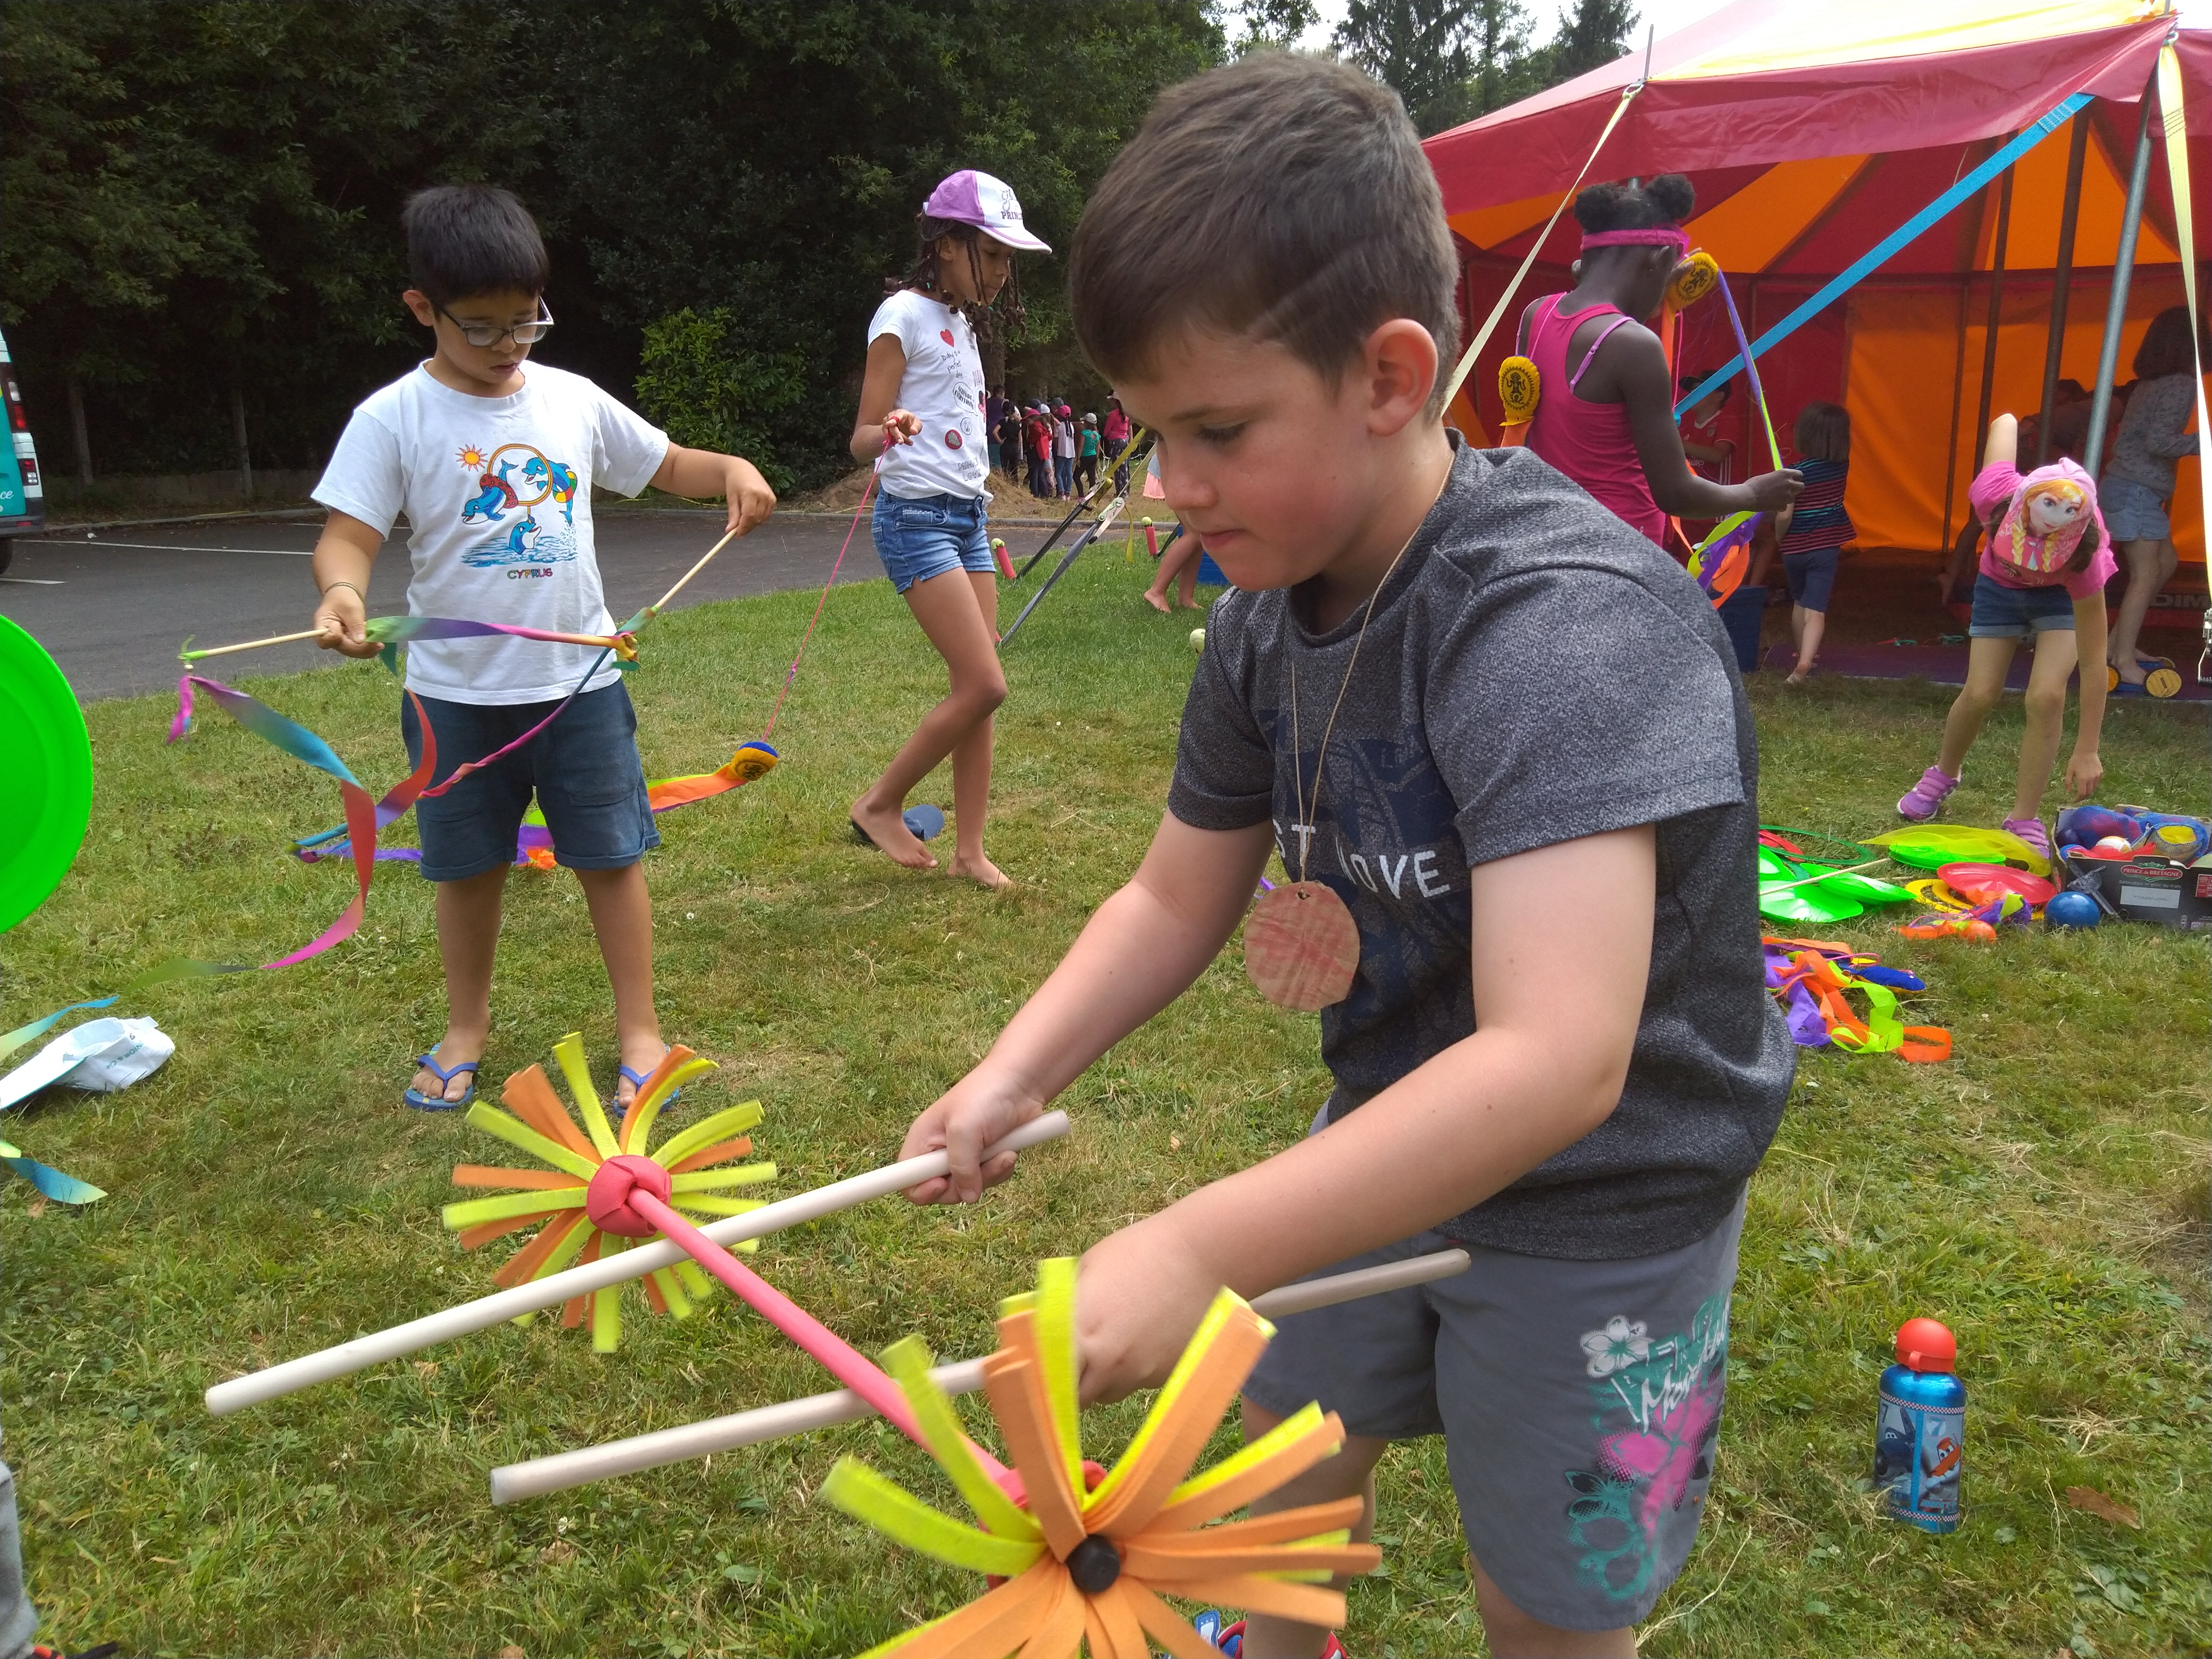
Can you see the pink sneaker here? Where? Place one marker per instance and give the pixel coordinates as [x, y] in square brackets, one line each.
[1925, 798]
[2031, 830]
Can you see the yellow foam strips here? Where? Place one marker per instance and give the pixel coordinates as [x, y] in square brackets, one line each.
[908, 1361]
[469, 1212]
[569, 1051]
[717, 1125]
[516, 1132]
[865, 1495]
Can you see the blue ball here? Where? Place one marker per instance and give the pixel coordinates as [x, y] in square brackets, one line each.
[2072, 911]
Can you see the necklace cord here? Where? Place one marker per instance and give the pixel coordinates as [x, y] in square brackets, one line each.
[1320, 754]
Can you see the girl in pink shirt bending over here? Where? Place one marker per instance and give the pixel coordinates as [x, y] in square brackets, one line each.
[2044, 564]
[1605, 406]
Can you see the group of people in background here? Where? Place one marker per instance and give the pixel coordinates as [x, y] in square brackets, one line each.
[1047, 447]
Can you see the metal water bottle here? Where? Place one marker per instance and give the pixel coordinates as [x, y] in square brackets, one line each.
[1920, 1438]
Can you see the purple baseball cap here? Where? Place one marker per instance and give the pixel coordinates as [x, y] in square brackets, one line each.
[969, 198]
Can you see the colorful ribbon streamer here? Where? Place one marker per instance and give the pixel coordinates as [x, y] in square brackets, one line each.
[1811, 978]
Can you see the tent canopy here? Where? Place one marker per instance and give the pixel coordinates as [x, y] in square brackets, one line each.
[1810, 134]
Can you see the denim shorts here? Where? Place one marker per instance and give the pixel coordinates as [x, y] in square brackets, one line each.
[2012, 613]
[583, 769]
[2132, 512]
[1811, 576]
[918, 536]
[1580, 1403]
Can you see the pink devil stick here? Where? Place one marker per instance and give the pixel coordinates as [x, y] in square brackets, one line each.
[628, 1195]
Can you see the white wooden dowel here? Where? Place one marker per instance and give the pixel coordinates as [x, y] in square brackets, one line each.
[292, 1374]
[562, 1470]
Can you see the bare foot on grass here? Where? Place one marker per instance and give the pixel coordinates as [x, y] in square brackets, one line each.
[886, 828]
[1803, 672]
[981, 870]
[1159, 602]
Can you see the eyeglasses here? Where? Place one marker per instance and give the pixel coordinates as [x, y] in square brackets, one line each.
[490, 334]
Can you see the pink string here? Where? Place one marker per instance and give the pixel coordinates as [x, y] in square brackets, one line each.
[792, 673]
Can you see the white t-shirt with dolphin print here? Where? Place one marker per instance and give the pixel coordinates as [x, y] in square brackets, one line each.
[497, 493]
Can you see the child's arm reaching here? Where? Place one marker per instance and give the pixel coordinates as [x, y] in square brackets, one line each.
[344, 553]
[1139, 952]
[1562, 951]
[702, 474]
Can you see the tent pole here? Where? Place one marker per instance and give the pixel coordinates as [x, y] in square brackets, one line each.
[1997, 312]
[2063, 280]
[1958, 399]
[2123, 268]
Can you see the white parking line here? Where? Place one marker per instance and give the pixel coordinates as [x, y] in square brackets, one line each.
[32, 581]
[166, 547]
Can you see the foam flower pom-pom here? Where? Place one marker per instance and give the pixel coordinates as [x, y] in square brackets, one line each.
[691, 1170]
[1085, 1565]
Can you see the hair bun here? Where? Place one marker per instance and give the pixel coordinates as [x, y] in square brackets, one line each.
[1673, 195]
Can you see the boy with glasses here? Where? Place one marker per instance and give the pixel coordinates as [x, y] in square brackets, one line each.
[494, 468]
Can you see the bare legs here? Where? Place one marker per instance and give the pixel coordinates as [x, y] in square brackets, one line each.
[1806, 627]
[1351, 1473]
[1987, 661]
[2150, 566]
[1181, 559]
[468, 941]
[959, 612]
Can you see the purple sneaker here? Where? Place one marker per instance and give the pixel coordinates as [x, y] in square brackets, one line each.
[2031, 830]
[1925, 798]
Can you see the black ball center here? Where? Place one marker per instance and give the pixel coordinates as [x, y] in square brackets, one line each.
[1094, 1564]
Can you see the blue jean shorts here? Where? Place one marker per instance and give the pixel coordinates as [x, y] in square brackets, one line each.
[2012, 613]
[1811, 576]
[2132, 512]
[918, 536]
[583, 769]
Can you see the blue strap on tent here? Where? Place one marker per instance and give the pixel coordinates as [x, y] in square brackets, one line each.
[2023, 141]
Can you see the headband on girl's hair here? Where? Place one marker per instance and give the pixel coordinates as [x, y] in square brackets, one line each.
[1657, 236]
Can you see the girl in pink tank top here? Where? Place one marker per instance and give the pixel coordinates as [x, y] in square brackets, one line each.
[1605, 404]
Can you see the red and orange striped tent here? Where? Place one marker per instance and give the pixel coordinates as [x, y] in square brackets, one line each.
[1812, 132]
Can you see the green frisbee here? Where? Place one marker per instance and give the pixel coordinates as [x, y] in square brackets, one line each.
[46, 766]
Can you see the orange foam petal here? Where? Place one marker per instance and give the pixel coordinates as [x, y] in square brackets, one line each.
[530, 1097]
[524, 1262]
[484, 1175]
[1017, 1392]
[714, 1154]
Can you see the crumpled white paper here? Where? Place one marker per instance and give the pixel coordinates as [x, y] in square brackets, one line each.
[100, 1055]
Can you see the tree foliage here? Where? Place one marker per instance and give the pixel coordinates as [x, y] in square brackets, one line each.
[204, 195]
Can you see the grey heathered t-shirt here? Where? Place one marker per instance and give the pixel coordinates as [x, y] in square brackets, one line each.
[1535, 671]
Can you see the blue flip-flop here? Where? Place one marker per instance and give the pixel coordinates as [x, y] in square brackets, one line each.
[637, 1081]
[438, 1103]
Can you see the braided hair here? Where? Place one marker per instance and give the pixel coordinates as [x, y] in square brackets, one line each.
[1664, 201]
[983, 319]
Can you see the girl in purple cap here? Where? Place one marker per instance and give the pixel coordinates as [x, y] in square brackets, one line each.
[921, 424]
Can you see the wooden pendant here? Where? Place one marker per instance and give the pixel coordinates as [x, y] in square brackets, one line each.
[1301, 946]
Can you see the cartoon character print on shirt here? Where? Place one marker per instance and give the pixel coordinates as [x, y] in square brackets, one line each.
[1657, 1413]
[527, 541]
[1384, 835]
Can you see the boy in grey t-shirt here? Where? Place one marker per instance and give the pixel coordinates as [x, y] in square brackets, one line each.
[1504, 732]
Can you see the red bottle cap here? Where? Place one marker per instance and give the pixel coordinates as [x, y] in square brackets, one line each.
[1926, 1345]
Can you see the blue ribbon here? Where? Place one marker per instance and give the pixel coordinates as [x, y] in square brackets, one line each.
[2025, 141]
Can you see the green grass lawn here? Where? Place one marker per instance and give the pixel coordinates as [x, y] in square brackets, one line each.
[2045, 1193]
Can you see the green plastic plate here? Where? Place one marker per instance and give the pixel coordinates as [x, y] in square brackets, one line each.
[46, 766]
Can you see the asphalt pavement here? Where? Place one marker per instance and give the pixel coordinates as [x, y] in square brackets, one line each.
[113, 606]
